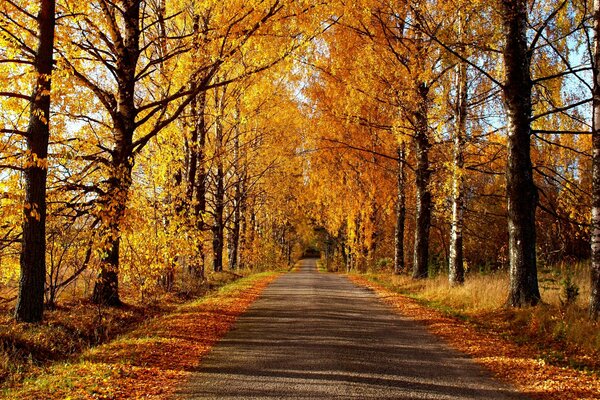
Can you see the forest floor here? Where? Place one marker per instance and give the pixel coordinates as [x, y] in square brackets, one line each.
[149, 361]
[510, 343]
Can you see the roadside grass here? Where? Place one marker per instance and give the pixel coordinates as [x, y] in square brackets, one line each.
[79, 352]
[321, 267]
[559, 327]
[520, 363]
[555, 346]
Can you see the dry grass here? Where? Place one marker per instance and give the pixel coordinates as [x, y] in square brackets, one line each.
[559, 329]
[487, 340]
[78, 325]
[150, 361]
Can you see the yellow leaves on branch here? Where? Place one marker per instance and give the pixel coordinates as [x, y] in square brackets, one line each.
[31, 210]
[32, 160]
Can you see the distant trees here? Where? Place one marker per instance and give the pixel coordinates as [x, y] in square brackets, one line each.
[514, 117]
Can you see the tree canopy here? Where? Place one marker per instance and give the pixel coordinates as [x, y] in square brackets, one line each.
[146, 140]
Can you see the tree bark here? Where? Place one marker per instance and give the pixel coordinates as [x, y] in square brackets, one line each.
[594, 309]
[456, 275]
[197, 177]
[243, 219]
[198, 168]
[423, 177]
[200, 181]
[193, 148]
[399, 265]
[30, 301]
[521, 191]
[106, 289]
[237, 200]
[219, 195]
[218, 224]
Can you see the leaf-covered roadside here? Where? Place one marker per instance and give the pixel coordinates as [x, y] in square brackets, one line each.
[151, 361]
[519, 364]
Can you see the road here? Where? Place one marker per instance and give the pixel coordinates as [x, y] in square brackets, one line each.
[318, 336]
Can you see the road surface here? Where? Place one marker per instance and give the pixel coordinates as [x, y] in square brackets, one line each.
[319, 336]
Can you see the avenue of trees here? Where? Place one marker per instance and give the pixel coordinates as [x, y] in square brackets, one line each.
[455, 134]
[143, 140]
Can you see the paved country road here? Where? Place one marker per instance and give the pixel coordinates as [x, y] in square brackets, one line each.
[319, 336]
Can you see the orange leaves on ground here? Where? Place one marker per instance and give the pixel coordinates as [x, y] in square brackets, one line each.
[517, 364]
[152, 361]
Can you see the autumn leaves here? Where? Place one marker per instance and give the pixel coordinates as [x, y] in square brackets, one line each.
[489, 98]
[180, 133]
[126, 73]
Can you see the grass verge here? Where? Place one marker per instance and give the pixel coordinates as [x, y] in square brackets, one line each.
[321, 266]
[496, 338]
[77, 325]
[151, 360]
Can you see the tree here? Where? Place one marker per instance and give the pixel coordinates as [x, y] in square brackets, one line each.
[30, 303]
[594, 310]
[237, 199]
[423, 177]
[218, 178]
[522, 194]
[400, 211]
[456, 275]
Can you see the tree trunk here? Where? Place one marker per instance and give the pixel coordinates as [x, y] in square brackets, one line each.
[521, 191]
[218, 223]
[193, 150]
[399, 265]
[219, 197]
[235, 229]
[370, 240]
[201, 179]
[106, 289]
[196, 175]
[456, 275]
[243, 219]
[595, 271]
[423, 175]
[30, 302]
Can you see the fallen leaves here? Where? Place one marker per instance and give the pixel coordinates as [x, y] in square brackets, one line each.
[153, 360]
[517, 364]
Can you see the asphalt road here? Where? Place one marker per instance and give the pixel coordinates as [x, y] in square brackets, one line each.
[318, 336]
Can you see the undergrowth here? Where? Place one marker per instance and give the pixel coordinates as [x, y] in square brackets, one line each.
[78, 325]
[559, 327]
[152, 359]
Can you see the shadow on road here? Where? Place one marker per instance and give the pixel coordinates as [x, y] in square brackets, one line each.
[318, 336]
